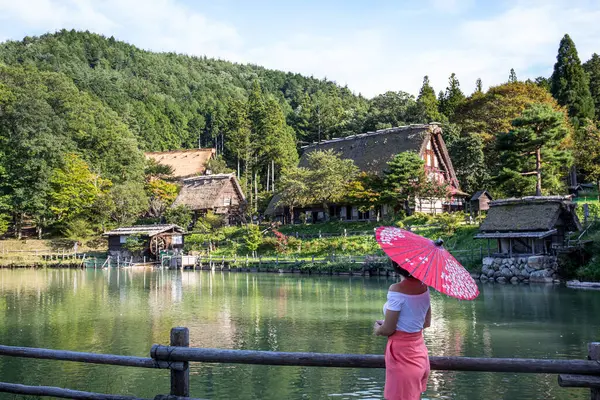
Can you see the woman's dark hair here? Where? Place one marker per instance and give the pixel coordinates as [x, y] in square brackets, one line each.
[400, 270]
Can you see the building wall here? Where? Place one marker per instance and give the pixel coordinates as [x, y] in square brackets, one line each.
[228, 197]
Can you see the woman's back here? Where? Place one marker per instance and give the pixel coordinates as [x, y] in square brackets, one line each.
[412, 301]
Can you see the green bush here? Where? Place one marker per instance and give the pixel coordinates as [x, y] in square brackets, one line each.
[418, 218]
[77, 229]
[449, 222]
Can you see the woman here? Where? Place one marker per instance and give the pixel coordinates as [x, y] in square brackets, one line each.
[407, 312]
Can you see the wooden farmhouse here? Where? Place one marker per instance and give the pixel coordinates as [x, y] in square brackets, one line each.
[480, 202]
[530, 225]
[155, 238]
[219, 193]
[185, 163]
[370, 152]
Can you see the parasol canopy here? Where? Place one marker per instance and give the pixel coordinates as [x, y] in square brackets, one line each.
[428, 261]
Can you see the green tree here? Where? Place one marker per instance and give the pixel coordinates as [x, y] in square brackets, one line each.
[403, 176]
[180, 215]
[452, 98]
[154, 170]
[253, 238]
[427, 104]
[391, 109]
[129, 202]
[478, 86]
[531, 152]
[218, 165]
[569, 83]
[161, 194]
[468, 160]
[592, 68]
[329, 177]
[293, 189]
[365, 191]
[587, 153]
[512, 77]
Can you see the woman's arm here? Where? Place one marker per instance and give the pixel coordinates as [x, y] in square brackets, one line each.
[389, 324]
[427, 323]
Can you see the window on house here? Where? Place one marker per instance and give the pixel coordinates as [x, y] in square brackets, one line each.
[177, 239]
[227, 201]
[122, 239]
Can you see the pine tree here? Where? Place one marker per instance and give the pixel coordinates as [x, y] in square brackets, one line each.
[427, 104]
[531, 152]
[569, 83]
[512, 77]
[452, 98]
[592, 67]
[478, 86]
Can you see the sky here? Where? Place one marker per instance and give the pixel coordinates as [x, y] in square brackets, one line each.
[370, 46]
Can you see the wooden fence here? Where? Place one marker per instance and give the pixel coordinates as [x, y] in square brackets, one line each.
[177, 356]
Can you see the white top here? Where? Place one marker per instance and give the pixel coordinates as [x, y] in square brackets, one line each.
[413, 309]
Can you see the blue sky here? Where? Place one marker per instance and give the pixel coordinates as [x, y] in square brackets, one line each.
[371, 46]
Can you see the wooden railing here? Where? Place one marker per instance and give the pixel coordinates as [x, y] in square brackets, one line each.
[177, 356]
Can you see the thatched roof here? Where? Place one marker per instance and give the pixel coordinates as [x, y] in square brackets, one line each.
[480, 193]
[530, 214]
[202, 192]
[144, 230]
[185, 163]
[372, 150]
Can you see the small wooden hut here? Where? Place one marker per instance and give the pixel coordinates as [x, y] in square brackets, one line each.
[155, 238]
[480, 202]
[530, 225]
[219, 193]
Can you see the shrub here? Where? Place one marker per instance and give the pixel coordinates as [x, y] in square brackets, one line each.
[180, 215]
[449, 222]
[418, 218]
[77, 229]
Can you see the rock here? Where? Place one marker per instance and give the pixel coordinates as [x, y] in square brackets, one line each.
[514, 280]
[491, 273]
[483, 278]
[497, 274]
[501, 279]
[535, 262]
[488, 261]
[540, 279]
[556, 281]
[475, 275]
[506, 273]
[515, 270]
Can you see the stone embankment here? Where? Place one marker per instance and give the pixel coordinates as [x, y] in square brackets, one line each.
[543, 269]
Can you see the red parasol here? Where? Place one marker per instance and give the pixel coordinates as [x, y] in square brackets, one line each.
[428, 261]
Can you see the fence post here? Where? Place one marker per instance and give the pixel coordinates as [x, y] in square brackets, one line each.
[180, 380]
[594, 355]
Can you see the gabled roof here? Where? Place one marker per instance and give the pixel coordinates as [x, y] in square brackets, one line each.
[371, 151]
[477, 195]
[202, 192]
[185, 163]
[144, 230]
[530, 214]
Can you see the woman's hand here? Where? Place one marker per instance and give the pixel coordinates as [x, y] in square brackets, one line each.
[376, 327]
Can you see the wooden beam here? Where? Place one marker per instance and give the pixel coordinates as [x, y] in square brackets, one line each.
[522, 365]
[585, 381]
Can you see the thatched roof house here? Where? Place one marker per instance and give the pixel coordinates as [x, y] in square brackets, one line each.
[371, 152]
[530, 224]
[185, 163]
[220, 193]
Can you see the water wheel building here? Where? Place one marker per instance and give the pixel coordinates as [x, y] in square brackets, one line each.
[219, 193]
[153, 238]
[371, 152]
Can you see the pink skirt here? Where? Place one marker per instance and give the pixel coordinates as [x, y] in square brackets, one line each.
[406, 366]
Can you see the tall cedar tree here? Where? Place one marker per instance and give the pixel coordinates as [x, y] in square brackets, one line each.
[469, 163]
[569, 83]
[512, 77]
[427, 104]
[532, 149]
[478, 86]
[403, 176]
[452, 98]
[592, 67]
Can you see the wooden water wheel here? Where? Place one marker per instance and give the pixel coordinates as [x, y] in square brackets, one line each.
[157, 244]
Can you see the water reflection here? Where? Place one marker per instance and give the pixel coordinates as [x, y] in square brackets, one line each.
[126, 311]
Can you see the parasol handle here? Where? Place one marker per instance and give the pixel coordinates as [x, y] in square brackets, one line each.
[438, 242]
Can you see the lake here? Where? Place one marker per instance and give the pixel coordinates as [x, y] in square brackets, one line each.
[126, 311]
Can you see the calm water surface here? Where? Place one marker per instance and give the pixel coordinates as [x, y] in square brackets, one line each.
[126, 311]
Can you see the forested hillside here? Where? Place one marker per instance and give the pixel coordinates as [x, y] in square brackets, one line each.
[78, 109]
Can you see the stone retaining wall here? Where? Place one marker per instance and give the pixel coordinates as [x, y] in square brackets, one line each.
[520, 269]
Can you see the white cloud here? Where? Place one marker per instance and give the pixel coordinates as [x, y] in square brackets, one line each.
[451, 6]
